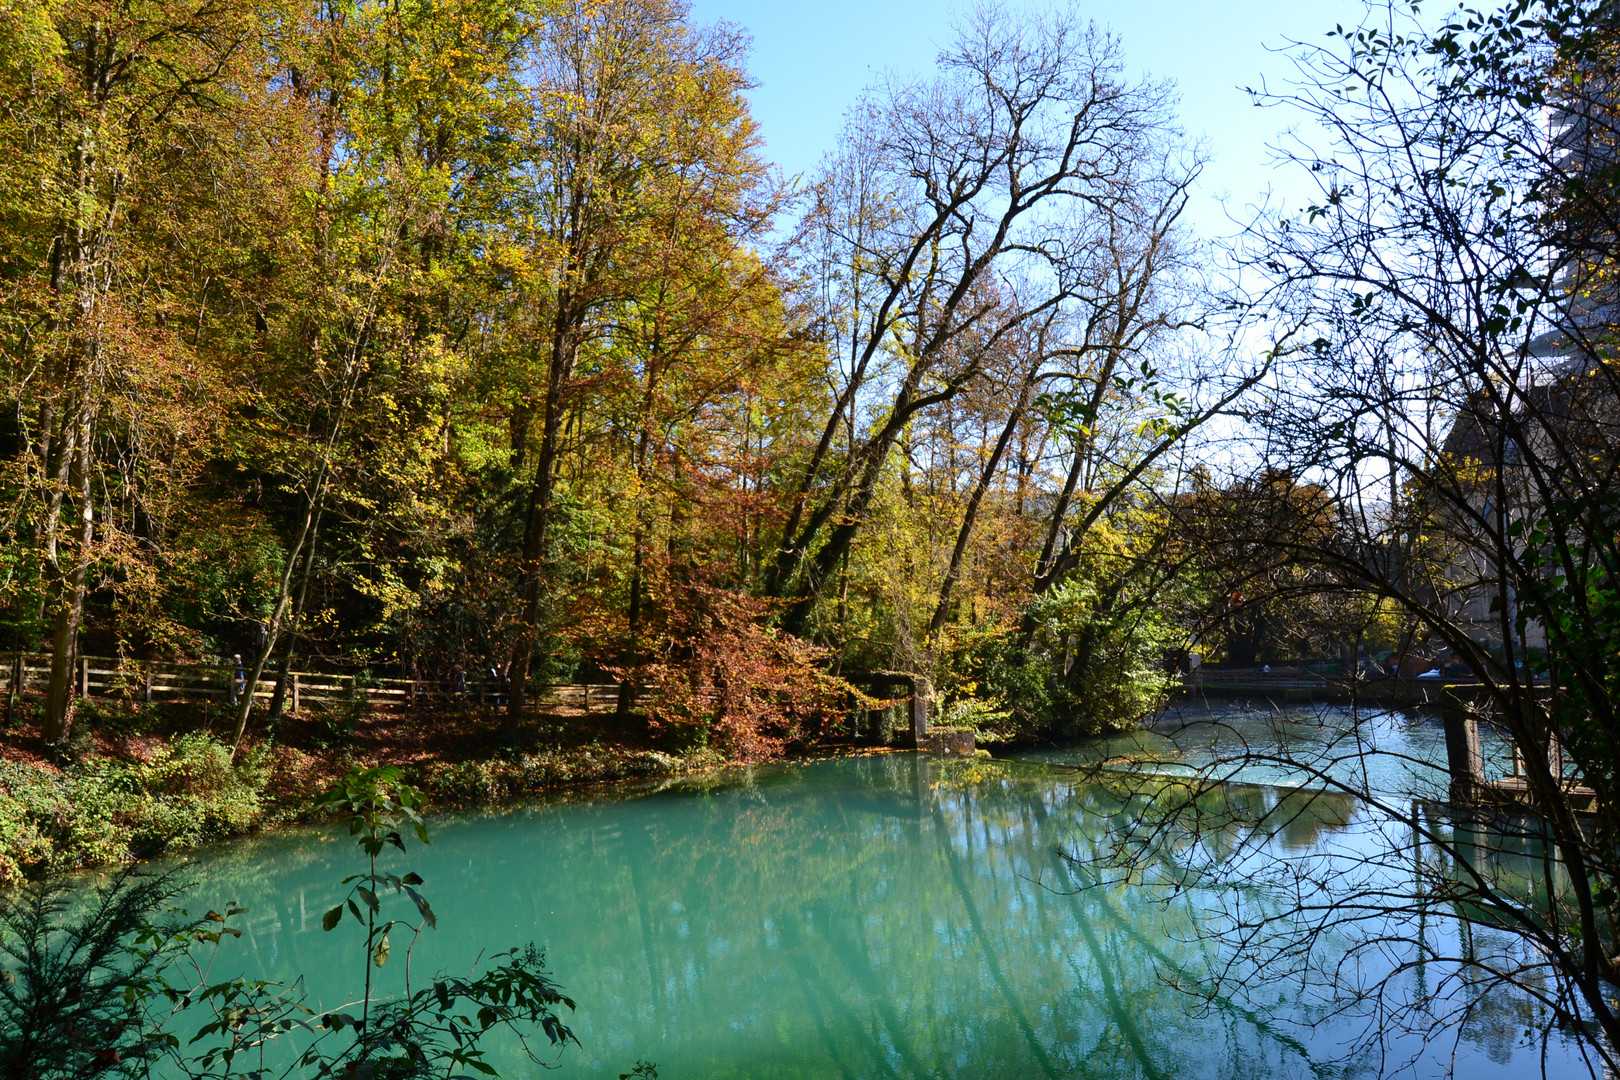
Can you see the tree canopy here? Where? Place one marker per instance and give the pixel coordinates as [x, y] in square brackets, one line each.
[435, 336]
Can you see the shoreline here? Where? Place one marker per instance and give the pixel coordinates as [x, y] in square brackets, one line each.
[129, 794]
[162, 791]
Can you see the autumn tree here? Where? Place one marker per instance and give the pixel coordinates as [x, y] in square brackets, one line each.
[410, 116]
[110, 377]
[1260, 593]
[961, 215]
[648, 195]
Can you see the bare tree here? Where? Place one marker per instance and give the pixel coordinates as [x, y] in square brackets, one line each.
[959, 214]
[1454, 401]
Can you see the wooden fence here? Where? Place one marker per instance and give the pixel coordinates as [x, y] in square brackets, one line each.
[173, 680]
[1280, 678]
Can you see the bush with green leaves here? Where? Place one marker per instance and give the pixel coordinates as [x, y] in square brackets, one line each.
[103, 810]
[1105, 656]
[1088, 655]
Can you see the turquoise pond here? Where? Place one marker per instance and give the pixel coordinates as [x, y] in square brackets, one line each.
[883, 916]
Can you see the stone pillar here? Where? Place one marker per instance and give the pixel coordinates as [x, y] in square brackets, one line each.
[922, 697]
[1463, 756]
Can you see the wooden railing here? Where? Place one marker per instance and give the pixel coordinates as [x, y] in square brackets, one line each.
[1206, 676]
[1296, 677]
[178, 680]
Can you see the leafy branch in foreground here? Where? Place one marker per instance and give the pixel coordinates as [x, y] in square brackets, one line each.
[79, 976]
[94, 983]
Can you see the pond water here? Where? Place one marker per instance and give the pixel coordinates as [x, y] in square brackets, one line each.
[882, 916]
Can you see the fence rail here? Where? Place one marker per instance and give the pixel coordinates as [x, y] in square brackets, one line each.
[178, 680]
[1212, 676]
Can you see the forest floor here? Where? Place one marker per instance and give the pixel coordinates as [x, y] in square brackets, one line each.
[136, 783]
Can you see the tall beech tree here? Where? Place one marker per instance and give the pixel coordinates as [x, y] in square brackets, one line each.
[643, 158]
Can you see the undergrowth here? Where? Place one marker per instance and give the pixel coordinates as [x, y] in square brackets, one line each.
[108, 810]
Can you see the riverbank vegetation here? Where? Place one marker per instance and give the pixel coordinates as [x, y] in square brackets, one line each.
[135, 793]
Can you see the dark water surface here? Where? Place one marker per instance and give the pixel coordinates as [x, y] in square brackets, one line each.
[883, 916]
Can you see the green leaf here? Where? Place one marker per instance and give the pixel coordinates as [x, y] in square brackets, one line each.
[379, 955]
[422, 906]
[332, 918]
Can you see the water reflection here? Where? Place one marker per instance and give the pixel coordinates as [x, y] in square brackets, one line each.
[891, 916]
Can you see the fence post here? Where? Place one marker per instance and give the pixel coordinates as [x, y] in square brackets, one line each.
[295, 691]
[146, 689]
[1463, 757]
[84, 675]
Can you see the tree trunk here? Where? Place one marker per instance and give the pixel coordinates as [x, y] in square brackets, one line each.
[970, 515]
[57, 726]
[644, 515]
[565, 349]
[278, 699]
[873, 454]
[244, 708]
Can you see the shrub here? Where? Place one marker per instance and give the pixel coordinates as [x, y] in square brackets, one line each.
[190, 791]
[78, 978]
[729, 679]
[1090, 659]
[1106, 656]
[102, 810]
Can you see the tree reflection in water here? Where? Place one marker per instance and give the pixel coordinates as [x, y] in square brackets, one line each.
[886, 916]
[1345, 873]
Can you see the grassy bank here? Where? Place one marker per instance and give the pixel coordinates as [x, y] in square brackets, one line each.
[144, 783]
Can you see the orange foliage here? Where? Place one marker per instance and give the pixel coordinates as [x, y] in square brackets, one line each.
[748, 687]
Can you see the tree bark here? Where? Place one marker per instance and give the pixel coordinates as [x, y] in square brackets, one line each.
[57, 726]
[564, 352]
[283, 595]
[971, 513]
[278, 699]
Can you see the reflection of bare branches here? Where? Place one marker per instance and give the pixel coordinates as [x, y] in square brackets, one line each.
[1416, 917]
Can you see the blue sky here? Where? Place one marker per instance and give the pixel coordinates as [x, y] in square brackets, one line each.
[813, 59]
